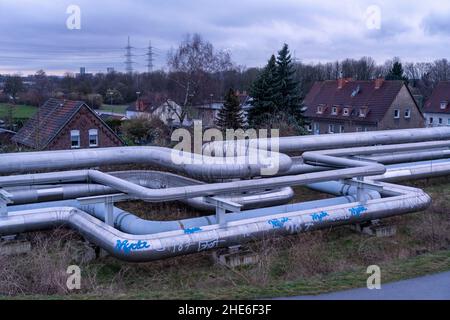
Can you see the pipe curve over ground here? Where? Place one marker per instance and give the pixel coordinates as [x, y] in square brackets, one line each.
[353, 164]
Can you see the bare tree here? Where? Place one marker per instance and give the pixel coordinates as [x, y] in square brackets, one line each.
[191, 66]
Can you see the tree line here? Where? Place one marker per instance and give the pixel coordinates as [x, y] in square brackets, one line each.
[197, 73]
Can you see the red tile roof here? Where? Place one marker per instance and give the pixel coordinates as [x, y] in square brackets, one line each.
[354, 95]
[50, 119]
[440, 94]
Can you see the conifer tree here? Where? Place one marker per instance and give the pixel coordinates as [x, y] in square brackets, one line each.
[231, 115]
[266, 95]
[396, 72]
[291, 100]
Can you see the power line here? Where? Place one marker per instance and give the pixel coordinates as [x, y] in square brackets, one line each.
[150, 58]
[128, 60]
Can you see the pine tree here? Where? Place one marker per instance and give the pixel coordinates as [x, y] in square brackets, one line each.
[291, 100]
[231, 115]
[266, 95]
[396, 72]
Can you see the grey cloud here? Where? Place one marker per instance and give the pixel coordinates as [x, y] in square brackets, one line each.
[437, 24]
[34, 34]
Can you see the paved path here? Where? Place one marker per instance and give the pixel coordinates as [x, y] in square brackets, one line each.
[432, 287]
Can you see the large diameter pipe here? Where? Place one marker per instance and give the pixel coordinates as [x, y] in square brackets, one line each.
[343, 140]
[203, 167]
[167, 244]
[129, 223]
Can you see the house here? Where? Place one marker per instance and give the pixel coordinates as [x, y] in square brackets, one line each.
[345, 105]
[437, 107]
[65, 124]
[155, 106]
[208, 112]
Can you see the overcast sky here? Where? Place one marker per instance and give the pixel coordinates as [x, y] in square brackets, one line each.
[34, 34]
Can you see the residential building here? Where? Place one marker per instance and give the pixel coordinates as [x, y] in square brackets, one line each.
[155, 106]
[65, 124]
[208, 112]
[437, 107]
[345, 105]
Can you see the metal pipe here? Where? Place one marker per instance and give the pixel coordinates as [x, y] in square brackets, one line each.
[342, 140]
[129, 223]
[399, 199]
[200, 166]
[149, 179]
[167, 244]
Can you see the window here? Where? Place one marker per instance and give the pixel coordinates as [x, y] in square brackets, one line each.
[75, 138]
[407, 113]
[448, 121]
[309, 127]
[341, 129]
[320, 109]
[93, 137]
[331, 128]
[440, 121]
[345, 112]
[444, 105]
[359, 129]
[431, 120]
[397, 114]
[334, 110]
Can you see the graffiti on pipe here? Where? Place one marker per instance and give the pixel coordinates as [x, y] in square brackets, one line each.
[357, 211]
[127, 247]
[319, 216]
[192, 230]
[278, 223]
[208, 244]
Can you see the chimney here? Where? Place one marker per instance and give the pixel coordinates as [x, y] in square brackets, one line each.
[378, 83]
[341, 82]
[139, 105]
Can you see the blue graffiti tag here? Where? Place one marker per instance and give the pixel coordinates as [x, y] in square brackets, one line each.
[357, 211]
[319, 216]
[192, 230]
[127, 247]
[278, 223]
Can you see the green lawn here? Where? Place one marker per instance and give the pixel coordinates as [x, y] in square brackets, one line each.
[114, 108]
[20, 111]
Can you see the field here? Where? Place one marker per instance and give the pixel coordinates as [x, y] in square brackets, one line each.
[20, 111]
[310, 263]
[114, 108]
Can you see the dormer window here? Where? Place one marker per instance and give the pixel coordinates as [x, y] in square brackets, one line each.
[444, 105]
[346, 112]
[320, 109]
[362, 112]
[334, 110]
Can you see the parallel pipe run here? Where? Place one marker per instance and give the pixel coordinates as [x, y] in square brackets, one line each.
[139, 248]
[148, 179]
[332, 171]
[342, 140]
